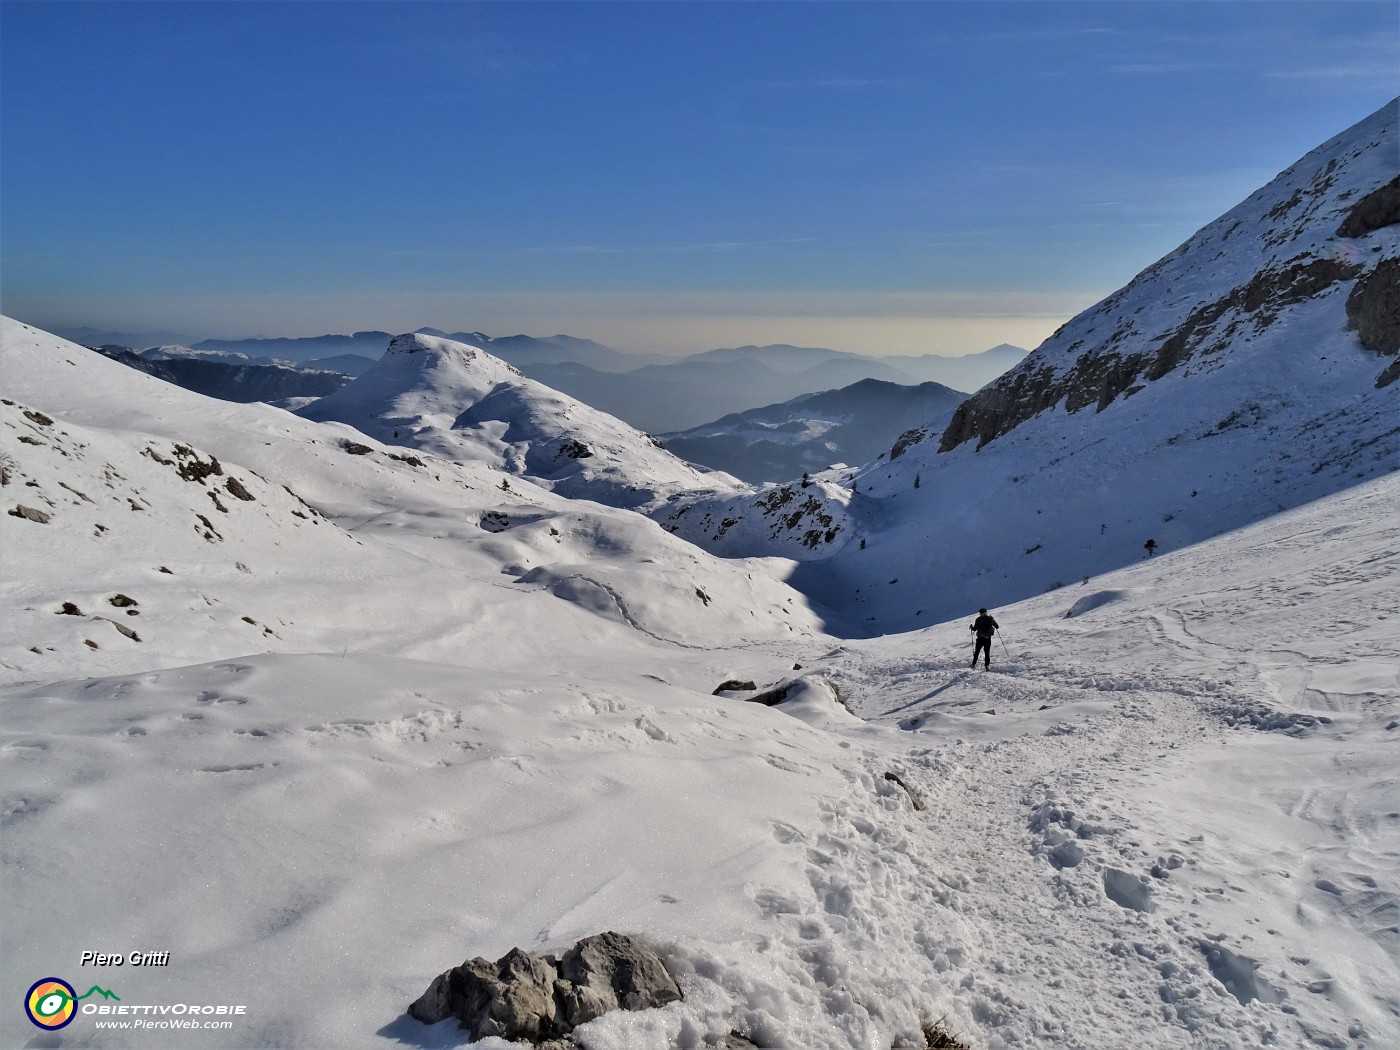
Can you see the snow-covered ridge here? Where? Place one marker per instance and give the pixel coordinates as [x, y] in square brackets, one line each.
[131, 474]
[1316, 232]
[460, 402]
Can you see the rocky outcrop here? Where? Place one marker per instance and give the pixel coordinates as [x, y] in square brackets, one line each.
[1376, 210]
[1290, 248]
[1373, 308]
[1116, 369]
[541, 999]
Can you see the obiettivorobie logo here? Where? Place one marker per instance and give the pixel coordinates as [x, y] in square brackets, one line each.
[53, 1003]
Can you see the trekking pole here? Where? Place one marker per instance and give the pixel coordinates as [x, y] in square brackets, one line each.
[1003, 645]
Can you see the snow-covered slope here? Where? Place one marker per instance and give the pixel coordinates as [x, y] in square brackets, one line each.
[1165, 818]
[459, 402]
[346, 543]
[1248, 372]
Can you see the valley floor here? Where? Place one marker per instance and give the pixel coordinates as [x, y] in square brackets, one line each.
[1168, 816]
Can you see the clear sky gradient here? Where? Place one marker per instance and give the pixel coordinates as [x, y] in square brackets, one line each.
[878, 177]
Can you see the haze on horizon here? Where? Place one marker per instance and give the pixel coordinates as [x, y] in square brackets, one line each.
[883, 178]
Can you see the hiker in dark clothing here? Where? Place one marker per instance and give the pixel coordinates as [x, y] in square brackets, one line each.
[983, 627]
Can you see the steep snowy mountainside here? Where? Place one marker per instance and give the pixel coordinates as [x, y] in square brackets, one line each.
[1320, 236]
[459, 402]
[346, 543]
[1226, 383]
[811, 432]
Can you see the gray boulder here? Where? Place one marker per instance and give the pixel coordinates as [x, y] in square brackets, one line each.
[540, 999]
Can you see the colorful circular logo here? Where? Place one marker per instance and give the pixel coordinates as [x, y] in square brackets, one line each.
[51, 1003]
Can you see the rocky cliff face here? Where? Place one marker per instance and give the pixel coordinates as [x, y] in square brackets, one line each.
[1326, 223]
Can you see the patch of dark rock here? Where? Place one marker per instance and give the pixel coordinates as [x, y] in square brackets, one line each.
[1388, 375]
[192, 468]
[1373, 308]
[29, 514]
[906, 441]
[31, 440]
[162, 568]
[733, 685]
[91, 644]
[996, 409]
[355, 448]
[769, 697]
[1379, 208]
[703, 596]
[575, 449]
[210, 533]
[238, 490]
[1270, 290]
[915, 799]
[121, 601]
[122, 628]
[218, 505]
[38, 417]
[494, 521]
[412, 461]
[69, 609]
[937, 1036]
[538, 999]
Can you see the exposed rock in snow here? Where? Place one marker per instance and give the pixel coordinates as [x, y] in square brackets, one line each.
[528, 998]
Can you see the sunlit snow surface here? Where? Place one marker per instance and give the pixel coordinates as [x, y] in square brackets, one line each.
[1170, 819]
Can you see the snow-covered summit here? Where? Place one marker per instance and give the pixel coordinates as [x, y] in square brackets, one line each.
[460, 402]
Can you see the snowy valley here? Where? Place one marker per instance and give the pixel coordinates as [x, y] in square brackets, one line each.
[450, 663]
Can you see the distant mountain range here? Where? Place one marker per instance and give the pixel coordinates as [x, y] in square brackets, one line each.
[690, 391]
[851, 425]
[652, 392]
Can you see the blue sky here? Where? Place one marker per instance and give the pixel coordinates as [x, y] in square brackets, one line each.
[880, 177]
